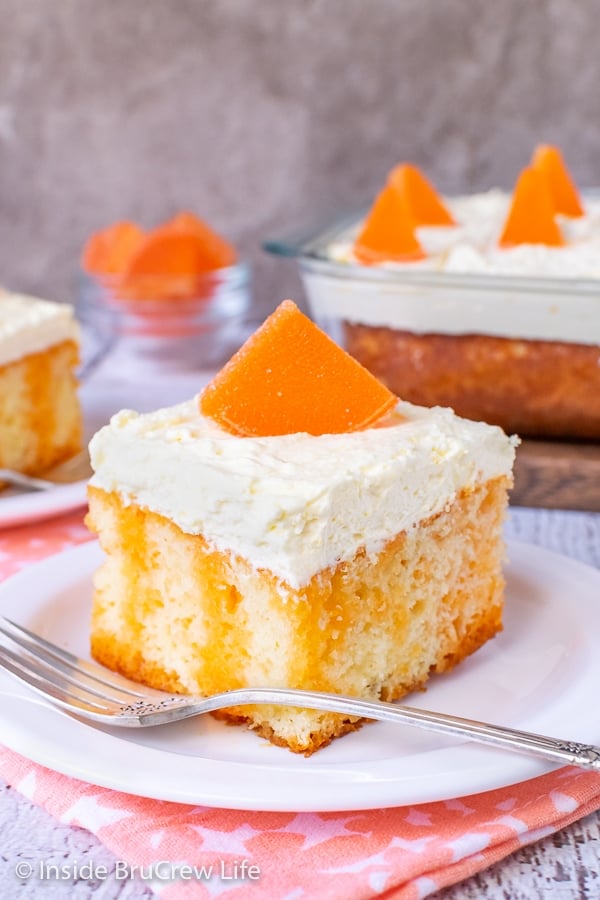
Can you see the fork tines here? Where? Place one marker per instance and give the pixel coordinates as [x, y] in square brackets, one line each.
[62, 675]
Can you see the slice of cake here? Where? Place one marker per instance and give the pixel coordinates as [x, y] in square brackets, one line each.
[245, 545]
[40, 416]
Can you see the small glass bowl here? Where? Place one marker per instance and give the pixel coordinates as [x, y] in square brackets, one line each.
[183, 331]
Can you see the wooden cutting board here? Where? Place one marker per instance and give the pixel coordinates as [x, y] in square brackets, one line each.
[557, 475]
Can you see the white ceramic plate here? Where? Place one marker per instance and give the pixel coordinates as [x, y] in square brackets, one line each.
[20, 507]
[540, 674]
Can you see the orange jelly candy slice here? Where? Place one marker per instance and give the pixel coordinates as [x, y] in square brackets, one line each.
[167, 253]
[217, 252]
[290, 377]
[108, 251]
[530, 218]
[388, 233]
[176, 249]
[549, 161]
[425, 204]
[172, 259]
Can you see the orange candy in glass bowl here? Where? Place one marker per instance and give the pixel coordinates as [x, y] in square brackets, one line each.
[173, 298]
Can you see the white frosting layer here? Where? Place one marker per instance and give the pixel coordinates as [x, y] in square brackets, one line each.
[296, 504]
[29, 325]
[497, 309]
[558, 308]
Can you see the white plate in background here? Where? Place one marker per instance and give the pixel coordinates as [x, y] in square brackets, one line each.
[23, 507]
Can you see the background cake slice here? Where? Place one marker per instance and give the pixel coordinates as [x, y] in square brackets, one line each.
[40, 416]
[357, 562]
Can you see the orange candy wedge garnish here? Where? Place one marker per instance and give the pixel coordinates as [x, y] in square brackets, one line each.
[166, 253]
[549, 162]
[530, 218]
[107, 251]
[167, 262]
[388, 233]
[172, 252]
[171, 259]
[216, 252]
[424, 203]
[290, 377]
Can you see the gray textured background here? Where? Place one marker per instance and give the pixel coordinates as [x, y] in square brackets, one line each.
[265, 114]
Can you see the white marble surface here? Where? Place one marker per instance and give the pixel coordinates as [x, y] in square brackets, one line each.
[563, 866]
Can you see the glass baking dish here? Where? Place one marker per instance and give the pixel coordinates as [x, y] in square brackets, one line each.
[519, 351]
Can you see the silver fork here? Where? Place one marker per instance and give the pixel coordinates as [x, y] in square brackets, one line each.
[93, 692]
[77, 468]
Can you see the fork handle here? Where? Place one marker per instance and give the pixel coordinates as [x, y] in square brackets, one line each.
[561, 751]
[25, 482]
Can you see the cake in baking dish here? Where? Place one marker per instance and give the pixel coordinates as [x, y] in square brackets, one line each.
[40, 416]
[296, 525]
[492, 310]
